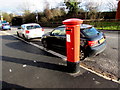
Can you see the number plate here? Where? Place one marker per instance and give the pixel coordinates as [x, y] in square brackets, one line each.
[102, 40]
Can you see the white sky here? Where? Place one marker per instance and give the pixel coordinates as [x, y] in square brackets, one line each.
[17, 5]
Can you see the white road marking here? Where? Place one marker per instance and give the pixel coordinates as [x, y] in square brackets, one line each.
[63, 57]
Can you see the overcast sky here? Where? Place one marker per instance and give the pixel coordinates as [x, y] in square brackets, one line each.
[16, 5]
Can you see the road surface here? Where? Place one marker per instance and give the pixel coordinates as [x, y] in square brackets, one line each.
[26, 66]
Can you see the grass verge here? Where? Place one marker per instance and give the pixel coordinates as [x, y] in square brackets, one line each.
[106, 25]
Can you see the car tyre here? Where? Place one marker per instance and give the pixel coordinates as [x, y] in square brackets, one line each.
[25, 38]
[45, 44]
[82, 54]
[18, 34]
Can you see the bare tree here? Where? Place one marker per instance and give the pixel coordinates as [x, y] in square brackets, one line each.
[25, 7]
[7, 17]
[111, 5]
[47, 11]
[92, 9]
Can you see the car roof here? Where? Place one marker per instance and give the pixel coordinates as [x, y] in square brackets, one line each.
[28, 24]
[83, 26]
[5, 23]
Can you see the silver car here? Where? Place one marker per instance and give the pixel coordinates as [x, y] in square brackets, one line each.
[5, 26]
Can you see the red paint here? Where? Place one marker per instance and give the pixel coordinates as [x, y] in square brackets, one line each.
[73, 39]
[92, 43]
[42, 29]
[27, 31]
[118, 11]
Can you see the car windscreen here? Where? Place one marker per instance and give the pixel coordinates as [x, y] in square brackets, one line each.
[90, 31]
[60, 31]
[33, 27]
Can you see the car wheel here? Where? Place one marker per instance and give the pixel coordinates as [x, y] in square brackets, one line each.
[26, 39]
[82, 54]
[45, 44]
[2, 28]
[18, 34]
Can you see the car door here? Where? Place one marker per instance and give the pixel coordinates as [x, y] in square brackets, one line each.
[58, 37]
[21, 31]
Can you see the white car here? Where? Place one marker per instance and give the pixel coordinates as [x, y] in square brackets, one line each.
[30, 31]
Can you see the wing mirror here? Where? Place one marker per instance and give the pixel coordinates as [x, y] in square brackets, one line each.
[51, 34]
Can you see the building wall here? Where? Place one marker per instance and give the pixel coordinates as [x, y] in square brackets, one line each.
[118, 11]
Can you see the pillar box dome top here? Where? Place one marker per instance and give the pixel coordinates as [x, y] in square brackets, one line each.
[72, 21]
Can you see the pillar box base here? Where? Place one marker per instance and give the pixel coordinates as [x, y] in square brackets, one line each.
[73, 67]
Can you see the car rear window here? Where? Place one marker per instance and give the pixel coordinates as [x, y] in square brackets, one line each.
[33, 27]
[90, 31]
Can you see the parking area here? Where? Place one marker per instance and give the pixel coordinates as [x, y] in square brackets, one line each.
[105, 65]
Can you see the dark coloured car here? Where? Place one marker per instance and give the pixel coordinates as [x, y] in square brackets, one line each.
[92, 41]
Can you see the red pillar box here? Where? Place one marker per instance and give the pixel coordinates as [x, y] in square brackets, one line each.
[73, 43]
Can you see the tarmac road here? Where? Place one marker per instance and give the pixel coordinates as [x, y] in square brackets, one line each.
[106, 61]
